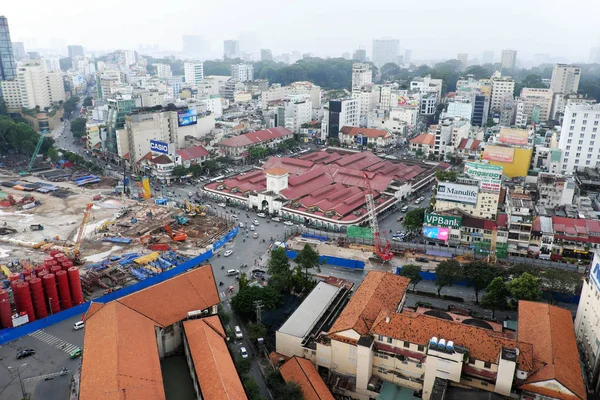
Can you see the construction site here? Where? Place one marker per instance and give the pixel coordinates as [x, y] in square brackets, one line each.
[109, 240]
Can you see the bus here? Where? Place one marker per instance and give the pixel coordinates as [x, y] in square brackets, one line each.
[218, 178]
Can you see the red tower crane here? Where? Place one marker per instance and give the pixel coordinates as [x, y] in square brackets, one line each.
[384, 253]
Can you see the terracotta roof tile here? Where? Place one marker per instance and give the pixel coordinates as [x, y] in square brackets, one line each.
[191, 153]
[171, 300]
[304, 373]
[483, 344]
[378, 291]
[217, 377]
[120, 353]
[424, 138]
[372, 133]
[550, 330]
[255, 137]
[277, 171]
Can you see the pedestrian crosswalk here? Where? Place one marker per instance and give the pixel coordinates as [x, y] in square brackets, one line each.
[52, 340]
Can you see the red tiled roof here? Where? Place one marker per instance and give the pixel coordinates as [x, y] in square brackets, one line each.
[162, 159]
[550, 330]
[255, 137]
[277, 171]
[424, 138]
[372, 133]
[148, 156]
[192, 153]
[304, 373]
[469, 144]
[576, 230]
[378, 291]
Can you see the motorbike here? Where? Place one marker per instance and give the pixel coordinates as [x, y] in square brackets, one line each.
[220, 283]
[222, 267]
[243, 240]
[219, 255]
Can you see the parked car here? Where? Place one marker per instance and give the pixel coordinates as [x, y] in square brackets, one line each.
[243, 352]
[232, 272]
[422, 259]
[25, 353]
[261, 215]
[258, 270]
[276, 219]
[255, 235]
[228, 253]
[288, 223]
[238, 332]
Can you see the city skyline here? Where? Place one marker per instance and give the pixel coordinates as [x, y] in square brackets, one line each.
[440, 40]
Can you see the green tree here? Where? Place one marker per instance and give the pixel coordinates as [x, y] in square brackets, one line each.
[258, 152]
[53, 154]
[195, 170]
[180, 171]
[78, 127]
[71, 104]
[525, 287]
[243, 281]
[243, 302]
[531, 81]
[557, 281]
[447, 273]
[225, 317]
[243, 365]
[88, 101]
[308, 259]
[252, 388]
[280, 270]
[479, 275]
[413, 220]
[413, 272]
[518, 269]
[211, 166]
[282, 390]
[256, 331]
[495, 296]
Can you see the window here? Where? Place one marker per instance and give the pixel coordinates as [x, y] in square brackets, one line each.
[580, 142]
[380, 338]
[389, 340]
[568, 147]
[584, 122]
[587, 162]
[574, 115]
[571, 128]
[472, 361]
[407, 344]
[595, 123]
[590, 149]
[585, 115]
[422, 348]
[572, 121]
[595, 130]
[487, 365]
[569, 140]
[570, 134]
[591, 143]
[581, 135]
[589, 156]
[578, 148]
[582, 130]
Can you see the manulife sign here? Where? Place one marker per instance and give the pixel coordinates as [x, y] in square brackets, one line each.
[444, 221]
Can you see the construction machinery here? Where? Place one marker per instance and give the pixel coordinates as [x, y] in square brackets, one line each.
[181, 219]
[385, 252]
[178, 236]
[75, 252]
[193, 209]
[35, 154]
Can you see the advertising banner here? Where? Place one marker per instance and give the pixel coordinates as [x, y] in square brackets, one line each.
[595, 272]
[159, 147]
[443, 221]
[489, 175]
[514, 136]
[433, 232]
[457, 192]
[500, 154]
[187, 117]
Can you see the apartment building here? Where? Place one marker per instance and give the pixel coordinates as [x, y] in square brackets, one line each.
[163, 70]
[536, 105]
[426, 85]
[578, 137]
[385, 50]
[508, 59]
[298, 111]
[33, 87]
[339, 113]
[565, 79]
[231, 49]
[242, 72]
[554, 190]
[463, 58]
[502, 87]
[428, 104]
[361, 76]
[194, 72]
[520, 210]
[423, 144]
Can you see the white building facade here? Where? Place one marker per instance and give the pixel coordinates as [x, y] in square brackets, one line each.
[242, 72]
[565, 79]
[579, 138]
[194, 72]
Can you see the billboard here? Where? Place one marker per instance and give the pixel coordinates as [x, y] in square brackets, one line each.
[187, 117]
[498, 153]
[457, 192]
[159, 147]
[433, 232]
[514, 136]
[444, 221]
[489, 176]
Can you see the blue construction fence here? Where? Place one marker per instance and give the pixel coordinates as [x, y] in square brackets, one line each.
[317, 237]
[337, 261]
[10, 334]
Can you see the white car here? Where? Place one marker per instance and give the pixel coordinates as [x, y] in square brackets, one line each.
[235, 217]
[243, 352]
[251, 227]
[228, 253]
[238, 332]
[261, 215]
[242, 225]
[288, 223]
[276, 219]
[255, 222]
[222, 205]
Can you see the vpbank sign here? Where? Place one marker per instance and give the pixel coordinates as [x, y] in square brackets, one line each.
[443, 221]
[159, 147]
[457, 192]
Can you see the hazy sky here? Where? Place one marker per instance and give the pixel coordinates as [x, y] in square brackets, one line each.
[432, 29]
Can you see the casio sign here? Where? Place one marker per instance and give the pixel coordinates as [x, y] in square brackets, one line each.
[159, 147]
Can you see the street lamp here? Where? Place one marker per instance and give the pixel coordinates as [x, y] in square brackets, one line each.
[19, 375]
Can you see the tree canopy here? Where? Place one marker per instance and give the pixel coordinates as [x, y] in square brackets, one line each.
[496, 295]
[479, 275]
[413, 220]
[20, 137]
[243, 302]
[525, 287]
[412, 272]
[78, 127]
[447, 273]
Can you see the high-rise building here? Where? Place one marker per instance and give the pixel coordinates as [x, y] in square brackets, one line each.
[509, 59]
[33, 87]
[463, 58]
[385, 51]
[360, 55]
[163, 70]
[537, 104]
[242, 72]
[427, 85]
[194, 72]
[7, 59]
[502, 86]
[407, 55]
[487, 57]
[231, 49]
[51, 63]
[18, 50]
[361, 75]
[565, 79]
[578, 137]
[75, 50]
[195, 46]
[339, 113]
[595, 55]
[266, 55]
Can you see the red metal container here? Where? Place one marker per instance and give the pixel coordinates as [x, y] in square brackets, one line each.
[51, 291]
[5, 314]
[42, 273]
[64, 292]
[13, 277]
[51, 258]
[58, 255]
[4, 294]
[75, 283]
[39, 269]
[27, 272]
[66, 265]
[50, 263]
[28, 278]
[54, 252]
[55, 268]
[160, 247]
[38, 299]
[15, 282]
[61, 259]
[24, 302]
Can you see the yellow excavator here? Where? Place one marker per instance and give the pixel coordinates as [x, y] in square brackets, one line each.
[193, 209]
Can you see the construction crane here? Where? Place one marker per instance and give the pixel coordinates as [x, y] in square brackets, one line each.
[35, 154]
[80, 233]
[384, 253]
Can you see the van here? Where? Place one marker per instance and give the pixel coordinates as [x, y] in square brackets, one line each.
[78, 325]
[404, 209]
[231, 272]
[238, 332]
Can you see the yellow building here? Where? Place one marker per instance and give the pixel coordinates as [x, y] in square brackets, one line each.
[515, 161]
